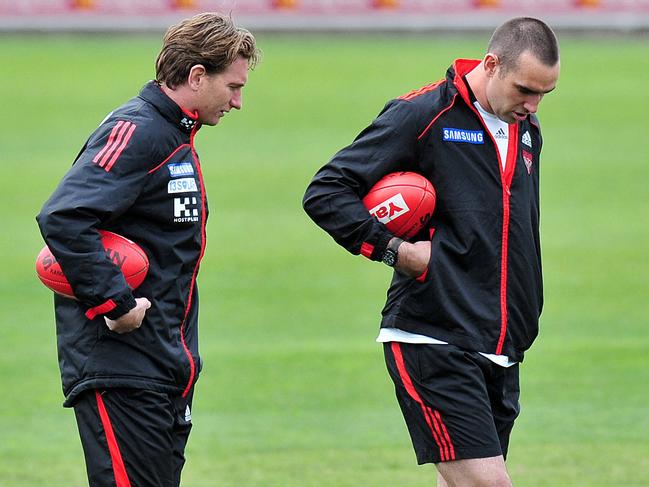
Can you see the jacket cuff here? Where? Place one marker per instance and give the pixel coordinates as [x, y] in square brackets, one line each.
[112, 309]
[375, 251]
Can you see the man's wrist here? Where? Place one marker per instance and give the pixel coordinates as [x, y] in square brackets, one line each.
[391, 253]
[124, 305]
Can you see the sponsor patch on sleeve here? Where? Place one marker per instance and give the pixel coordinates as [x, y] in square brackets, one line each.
[182, 185]
[180, 169]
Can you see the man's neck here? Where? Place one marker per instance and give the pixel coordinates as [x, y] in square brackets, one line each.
[179, 95]
[477, 81]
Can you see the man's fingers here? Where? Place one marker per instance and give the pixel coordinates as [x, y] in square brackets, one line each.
[143, 301]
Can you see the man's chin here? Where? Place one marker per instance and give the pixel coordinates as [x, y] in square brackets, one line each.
[508, 118]
[519, 117]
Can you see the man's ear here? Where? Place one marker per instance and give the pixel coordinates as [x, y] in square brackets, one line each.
[491, 63]
[196, 74]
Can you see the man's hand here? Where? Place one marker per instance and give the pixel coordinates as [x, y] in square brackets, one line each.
[413, 259]
[131, 320]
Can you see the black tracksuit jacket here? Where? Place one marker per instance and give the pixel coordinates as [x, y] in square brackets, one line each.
[483, 289]
[138, 175]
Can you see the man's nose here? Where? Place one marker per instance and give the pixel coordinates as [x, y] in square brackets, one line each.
[236, 101]
[532, 103]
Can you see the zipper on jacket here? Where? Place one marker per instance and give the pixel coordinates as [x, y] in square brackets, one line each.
[192, 365]
[506, 177]
[503, 271]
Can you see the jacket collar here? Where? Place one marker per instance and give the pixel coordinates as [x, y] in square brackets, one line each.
[175, 114]
[456, 74]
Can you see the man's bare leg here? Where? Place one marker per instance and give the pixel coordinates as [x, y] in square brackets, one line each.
[476, 472]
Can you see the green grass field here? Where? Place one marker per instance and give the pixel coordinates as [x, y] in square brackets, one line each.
[294, 391]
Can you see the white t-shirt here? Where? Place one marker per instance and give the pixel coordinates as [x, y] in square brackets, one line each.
[500, 132]
[397, 335]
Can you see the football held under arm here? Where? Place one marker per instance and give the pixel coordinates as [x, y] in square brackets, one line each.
[101, 185]
[333, 199]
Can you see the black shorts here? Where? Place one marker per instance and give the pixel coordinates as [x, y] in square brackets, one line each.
[133, 437]
[457, 404]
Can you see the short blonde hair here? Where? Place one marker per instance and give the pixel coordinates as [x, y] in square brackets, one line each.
[209, 39]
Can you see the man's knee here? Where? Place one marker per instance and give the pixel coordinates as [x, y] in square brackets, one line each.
[479, 472]
[502, 480]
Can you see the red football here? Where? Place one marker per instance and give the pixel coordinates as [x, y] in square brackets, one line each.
[127, 255]
[403, 201]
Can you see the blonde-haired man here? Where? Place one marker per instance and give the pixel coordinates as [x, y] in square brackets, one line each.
[129, 358]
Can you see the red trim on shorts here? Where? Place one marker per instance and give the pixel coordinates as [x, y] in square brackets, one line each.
[433, 417]
[121, 477]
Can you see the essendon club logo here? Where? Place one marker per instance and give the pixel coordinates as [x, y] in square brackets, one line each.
[390, 209]
[529, 160]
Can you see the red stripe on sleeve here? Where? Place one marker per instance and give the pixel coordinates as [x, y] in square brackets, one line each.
[121, 477]
[114, 145]
[116, 141]
[111, 139]
[120, 149]
[425, 89]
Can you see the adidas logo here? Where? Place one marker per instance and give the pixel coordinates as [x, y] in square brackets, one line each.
[500, 134]
[526, 139]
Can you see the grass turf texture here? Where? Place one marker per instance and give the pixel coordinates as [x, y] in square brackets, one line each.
[294, 390]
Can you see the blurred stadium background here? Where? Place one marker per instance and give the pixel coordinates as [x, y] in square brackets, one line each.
[294, 392]
[84, 15]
